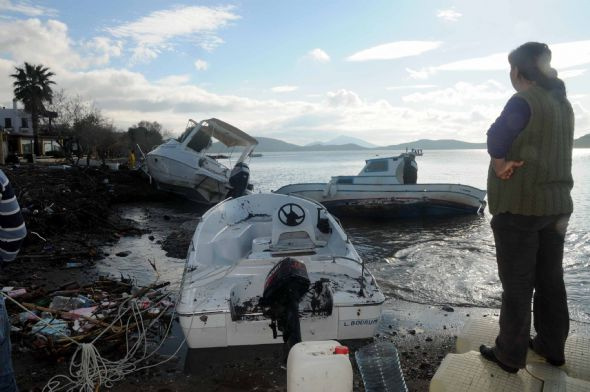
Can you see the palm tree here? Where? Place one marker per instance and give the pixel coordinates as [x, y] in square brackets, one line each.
[32, 86]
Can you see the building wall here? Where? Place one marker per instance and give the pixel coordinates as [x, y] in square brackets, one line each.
[16, 118]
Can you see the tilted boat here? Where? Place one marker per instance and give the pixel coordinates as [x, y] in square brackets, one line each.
[258, 262]
[388, 188]
[183, 166]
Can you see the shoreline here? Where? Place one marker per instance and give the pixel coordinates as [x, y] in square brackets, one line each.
[423, 334]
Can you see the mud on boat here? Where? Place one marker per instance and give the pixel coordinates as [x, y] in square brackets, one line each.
[245, 250]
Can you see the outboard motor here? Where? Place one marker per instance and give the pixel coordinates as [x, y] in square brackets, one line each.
[285, 285]
[238, 180]
[410, 169]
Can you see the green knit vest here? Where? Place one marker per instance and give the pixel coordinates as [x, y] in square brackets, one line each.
[542, 185]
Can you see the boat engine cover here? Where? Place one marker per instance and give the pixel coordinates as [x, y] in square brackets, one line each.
[287, 279]
[238, 180]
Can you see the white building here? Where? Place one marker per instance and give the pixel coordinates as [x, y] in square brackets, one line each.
[17, 127]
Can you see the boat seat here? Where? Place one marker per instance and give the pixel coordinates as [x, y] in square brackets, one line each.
[301, 234]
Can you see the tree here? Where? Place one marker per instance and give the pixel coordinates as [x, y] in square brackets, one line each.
[32, 86]
[145, 134]
[95, 135]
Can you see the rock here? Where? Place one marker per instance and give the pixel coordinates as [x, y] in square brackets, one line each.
[123, 254]
[151, 237]
[447, 308]
[412, 332]
[429, 339]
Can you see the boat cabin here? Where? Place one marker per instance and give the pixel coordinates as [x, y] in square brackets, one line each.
[402, 169]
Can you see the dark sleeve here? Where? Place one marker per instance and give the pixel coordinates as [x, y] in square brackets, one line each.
[505, 129]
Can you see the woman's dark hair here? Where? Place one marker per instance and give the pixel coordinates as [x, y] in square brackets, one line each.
[533, 61]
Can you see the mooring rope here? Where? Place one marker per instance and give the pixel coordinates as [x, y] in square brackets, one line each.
[88, 369]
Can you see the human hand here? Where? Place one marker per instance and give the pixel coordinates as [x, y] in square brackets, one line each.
[504, 169]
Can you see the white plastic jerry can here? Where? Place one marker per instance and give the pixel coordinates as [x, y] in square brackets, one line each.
[322, 366]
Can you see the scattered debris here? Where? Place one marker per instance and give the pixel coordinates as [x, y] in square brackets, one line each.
[84, 312]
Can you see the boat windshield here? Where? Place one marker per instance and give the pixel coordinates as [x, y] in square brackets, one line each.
[185, 134]
[199, 141]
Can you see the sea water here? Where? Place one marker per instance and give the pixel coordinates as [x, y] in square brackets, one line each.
[437, 261]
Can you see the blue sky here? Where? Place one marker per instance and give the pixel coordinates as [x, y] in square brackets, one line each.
[302, 71]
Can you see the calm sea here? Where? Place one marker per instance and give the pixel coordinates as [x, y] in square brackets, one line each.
[438, 261]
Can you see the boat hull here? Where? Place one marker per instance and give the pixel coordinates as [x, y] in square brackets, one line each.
[203, 330]
[188, 181]
[392, 201]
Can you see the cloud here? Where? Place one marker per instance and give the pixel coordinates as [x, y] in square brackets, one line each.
[564, 55]
[34, 41]
[395, 50]
[318, 55]
[572, 73]
[343, 98]
[411, 87]
[158, 31]
[421, 74]
[174, 80]
[449, 15]
[25, 8]
[284, 89]
[201, 65]
[462, 94]
[103, 49]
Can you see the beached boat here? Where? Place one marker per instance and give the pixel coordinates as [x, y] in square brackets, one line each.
[183, 166]
[388, 188]
[259, 261]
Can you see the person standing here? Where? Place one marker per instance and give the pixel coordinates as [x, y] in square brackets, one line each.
[529, 184]
[12, 234]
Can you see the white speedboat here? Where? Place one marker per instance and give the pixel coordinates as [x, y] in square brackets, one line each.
[257, 262]
[183, 166]
[388, 188]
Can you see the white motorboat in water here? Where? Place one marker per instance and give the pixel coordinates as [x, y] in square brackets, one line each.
[183, 166]
[259, 261]
[388, 188]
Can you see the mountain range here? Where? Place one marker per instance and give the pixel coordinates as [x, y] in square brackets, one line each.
[266, 144]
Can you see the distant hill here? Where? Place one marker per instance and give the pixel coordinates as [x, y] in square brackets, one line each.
[443, 144]
[344, 140]
[582, 142]
[267, 144]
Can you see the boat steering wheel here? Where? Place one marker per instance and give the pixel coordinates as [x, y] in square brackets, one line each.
[291, 214]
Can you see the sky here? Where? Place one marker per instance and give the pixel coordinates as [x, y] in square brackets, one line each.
[385, 71]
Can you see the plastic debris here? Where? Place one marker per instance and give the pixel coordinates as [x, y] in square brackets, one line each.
[51, 327]
[86, 312]
[17, 293]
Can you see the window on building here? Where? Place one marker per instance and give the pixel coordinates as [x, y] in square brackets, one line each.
[24, 123]
[7, 122]
[27, 146]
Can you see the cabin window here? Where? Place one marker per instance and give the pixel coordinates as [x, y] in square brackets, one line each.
[376, 166]
[185, 134]
[199, 141]
[8, 122]
[344, 180]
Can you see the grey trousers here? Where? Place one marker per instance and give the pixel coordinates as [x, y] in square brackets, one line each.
[7, 382]
[529, 252]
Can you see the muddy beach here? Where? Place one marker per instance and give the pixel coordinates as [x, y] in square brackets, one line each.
[84, 222]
